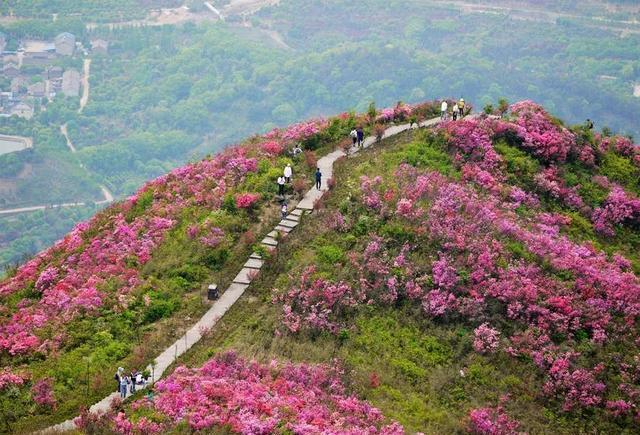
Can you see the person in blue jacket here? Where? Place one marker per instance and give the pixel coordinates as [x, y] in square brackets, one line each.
[318, 178]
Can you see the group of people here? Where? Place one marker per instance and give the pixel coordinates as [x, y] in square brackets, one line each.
[127, 383]
[357, 136]
[457, 111]
[287, 175]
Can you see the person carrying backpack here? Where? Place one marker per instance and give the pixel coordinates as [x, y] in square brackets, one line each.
[455, 111]
[354, 136]
[318, 178]
[360, 133]
[283, 210]
[461, 107]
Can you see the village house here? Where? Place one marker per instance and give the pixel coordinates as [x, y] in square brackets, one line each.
[65, 44]
[71, 83]
[23, 110]
[36, 90]
[10, 70]
[53, 72]
[99, 46]
[19, 84]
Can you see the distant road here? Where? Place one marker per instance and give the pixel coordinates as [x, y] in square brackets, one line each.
[108, 196]
[86, 72]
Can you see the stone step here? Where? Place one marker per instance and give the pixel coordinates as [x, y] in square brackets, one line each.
[255, 255]
[254, 263]
[288, 223]
[297, 212]
[293, 217]
[286, 230]
[243, 277]
[269, 241]
[273, 234]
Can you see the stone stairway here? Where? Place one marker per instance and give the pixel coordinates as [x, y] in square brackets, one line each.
[246, 275]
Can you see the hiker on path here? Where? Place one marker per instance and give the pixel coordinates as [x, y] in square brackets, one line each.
[354, 136]
[461, 107]
[134, 377]
[455, 111]
[281, 186]
[443, 110]
[297, 150]
[360, 133]
[117, 376]
[589, 124]
[124, 383]
[287, 173]
[283, 210]
[318, 179]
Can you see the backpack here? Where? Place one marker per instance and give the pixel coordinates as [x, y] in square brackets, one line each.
[116, 377]
[353, 133]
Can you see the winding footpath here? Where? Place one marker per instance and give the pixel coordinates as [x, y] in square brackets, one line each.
[243, 279]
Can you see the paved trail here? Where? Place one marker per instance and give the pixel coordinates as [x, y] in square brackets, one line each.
[241, 282]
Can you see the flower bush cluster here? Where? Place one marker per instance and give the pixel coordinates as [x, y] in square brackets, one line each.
[539, 133]
[251, 398]
[247, 200]
[619, 208]
[492, 421]
[555, 293]
[549, 181]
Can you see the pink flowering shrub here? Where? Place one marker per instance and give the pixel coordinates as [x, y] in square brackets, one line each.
[42, 393]
[486, 339]
[247, 200]
[492, 421]
[272, 148]
[540, 134]
[619, 208]
[8, 379]
[549, 181]
[247, 397]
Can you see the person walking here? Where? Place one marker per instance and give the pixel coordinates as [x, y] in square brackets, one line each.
[455, 111]
[318, 179]
[283, 210]
[287, 173]
[461, 105]
[124, 383]
[360, 133]
[444, 107]
[134, 377]
[117, 377]
[281, 186]
[354, 136]
[589, 124]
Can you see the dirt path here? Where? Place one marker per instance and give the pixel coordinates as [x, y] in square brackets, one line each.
[86, 73]
[244, 278]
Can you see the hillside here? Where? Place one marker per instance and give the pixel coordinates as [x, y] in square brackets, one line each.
[164, 95]
[480, 275]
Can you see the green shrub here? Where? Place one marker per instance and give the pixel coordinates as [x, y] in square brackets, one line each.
[158, 309]
[330, 254]
[620, 169]
[398, 232]
[215, 259]
[143, 203]
[229, 203]
[429, 153]
[521, 167]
